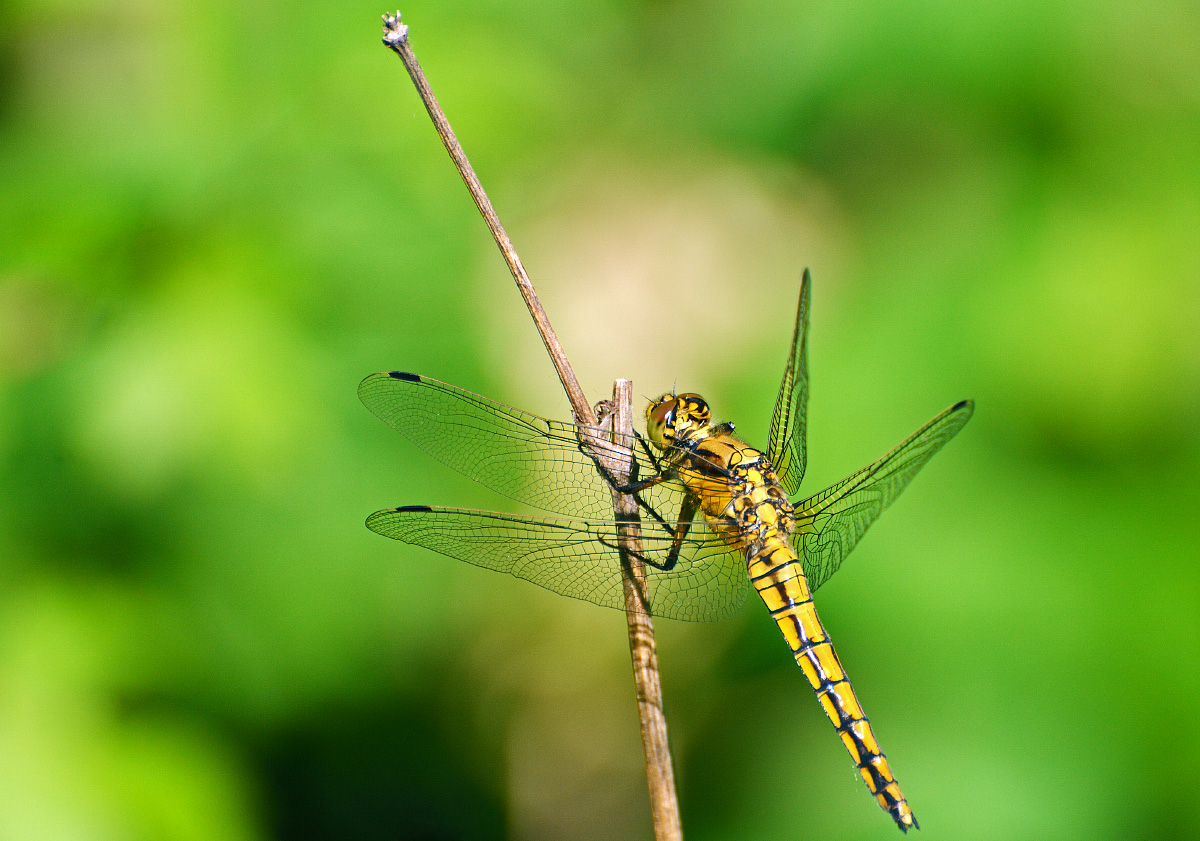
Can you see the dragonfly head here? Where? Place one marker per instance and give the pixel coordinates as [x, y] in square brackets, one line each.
[675, 416]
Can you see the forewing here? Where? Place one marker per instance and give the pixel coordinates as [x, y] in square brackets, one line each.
[578, 557]
[831, 523]
[515, 453]
[786, 448]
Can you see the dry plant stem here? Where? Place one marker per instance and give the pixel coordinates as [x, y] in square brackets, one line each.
[395, 36]
[660, 773]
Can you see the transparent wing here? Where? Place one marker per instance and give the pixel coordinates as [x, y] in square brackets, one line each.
[786, 447]
[831, 523]
[579, 558]
[515, 453]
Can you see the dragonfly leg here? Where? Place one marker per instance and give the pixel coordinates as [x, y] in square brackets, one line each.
[648, 451]
[687, 512]
[638, 556]
[683, 522]
[631, 487]
[636, 485]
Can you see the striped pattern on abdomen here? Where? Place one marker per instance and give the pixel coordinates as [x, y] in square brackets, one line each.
[779, 579]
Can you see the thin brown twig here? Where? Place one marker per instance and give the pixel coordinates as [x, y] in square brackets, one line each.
[395, 36]
[660, 774]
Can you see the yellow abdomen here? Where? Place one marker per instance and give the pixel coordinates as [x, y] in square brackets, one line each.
[744, 504]
[779, 579]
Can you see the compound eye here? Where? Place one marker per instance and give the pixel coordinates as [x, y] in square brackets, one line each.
[660, 417]
[693, 407]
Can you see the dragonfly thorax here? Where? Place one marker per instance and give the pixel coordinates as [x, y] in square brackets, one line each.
[676, 418]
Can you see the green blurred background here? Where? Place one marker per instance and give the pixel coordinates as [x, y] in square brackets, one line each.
[217, 217]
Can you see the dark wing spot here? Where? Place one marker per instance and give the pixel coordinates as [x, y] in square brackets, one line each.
[402, 375]
[421, 508]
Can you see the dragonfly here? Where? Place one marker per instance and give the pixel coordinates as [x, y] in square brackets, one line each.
[715, 513]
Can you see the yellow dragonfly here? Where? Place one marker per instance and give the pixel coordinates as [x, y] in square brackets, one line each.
[697, 569]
